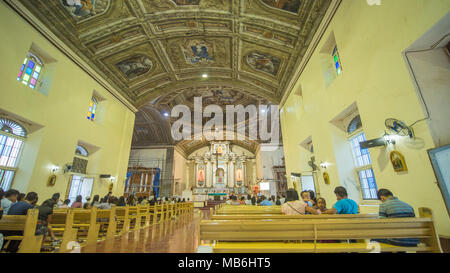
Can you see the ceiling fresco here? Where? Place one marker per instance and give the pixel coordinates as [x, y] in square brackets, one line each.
[154, 52]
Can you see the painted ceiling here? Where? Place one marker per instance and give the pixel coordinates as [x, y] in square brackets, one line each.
[154, 52]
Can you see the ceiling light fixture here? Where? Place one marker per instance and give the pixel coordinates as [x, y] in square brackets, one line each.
[205, 76]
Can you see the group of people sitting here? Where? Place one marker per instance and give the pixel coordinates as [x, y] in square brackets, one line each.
[390, 207]
[15, 203]
[309, 204]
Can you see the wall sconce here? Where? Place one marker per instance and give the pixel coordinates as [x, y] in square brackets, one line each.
[55, 169]
[390, 139]
[324, 165]
[112, 179]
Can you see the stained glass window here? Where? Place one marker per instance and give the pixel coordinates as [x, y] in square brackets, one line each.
[92, 109]
[337, 61]
[30, 70]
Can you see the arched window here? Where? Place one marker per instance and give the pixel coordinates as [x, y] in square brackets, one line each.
[354, 125]
[362, 160]
[12, 137]
[31, 70]
[81, 151]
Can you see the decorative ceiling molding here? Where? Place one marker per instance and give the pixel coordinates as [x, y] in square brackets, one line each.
[145, 48]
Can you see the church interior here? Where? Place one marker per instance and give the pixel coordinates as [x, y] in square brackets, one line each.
[356, 91]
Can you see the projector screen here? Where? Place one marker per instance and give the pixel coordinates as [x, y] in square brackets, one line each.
[264, 186]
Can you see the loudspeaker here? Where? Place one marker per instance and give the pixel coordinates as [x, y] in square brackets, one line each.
[373, 143]
[105, 176]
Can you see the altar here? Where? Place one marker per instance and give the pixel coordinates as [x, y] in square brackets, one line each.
[219, 172]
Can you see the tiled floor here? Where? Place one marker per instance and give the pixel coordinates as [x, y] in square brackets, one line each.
[174, 236]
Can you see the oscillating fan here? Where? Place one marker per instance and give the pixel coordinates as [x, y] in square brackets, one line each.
[398, 127]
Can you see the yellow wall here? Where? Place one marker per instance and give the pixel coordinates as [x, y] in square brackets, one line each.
[179, 172]
[62, 114]
[370, 41]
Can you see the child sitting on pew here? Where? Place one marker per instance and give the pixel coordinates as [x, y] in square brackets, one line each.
[65, 204]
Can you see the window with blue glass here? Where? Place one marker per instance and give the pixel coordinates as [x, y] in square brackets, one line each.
[362, 161]
[12, 137]
[92, 109]
[30, 71]
[337, 61]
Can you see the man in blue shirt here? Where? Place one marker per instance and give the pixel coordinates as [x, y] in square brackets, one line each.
[343, 205]
[265, 202]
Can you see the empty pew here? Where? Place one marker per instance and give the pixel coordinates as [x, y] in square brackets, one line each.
[267, 236]
[30, 243]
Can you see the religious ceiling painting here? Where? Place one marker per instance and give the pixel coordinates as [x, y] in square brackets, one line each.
[264, 62]
[287, 5]
[135, 66]
[187, 2]
[198, 52]
[84, 9]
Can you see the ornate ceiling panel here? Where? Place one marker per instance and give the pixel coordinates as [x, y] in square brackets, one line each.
[155, 51]
[146, 48]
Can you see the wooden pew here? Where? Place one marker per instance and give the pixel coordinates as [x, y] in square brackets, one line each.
[267, 236]
[107, 219]
[249, 210]
[30, 243]
[123, 220]
[291, 217]
[63, 227]
[85, 220]
[134, 214]
[144, 214]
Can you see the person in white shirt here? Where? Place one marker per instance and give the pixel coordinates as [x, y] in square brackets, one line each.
[248, 202]
[9, 200]
[228, 202]
[283, 199]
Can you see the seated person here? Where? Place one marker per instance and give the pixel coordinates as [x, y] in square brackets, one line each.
[20, 208]
[321, 204]
[392, 207]
[235, 201]
[343, 205]
[10, 198]
[229, 201]
[265, 202]
[294, 206]
[278, 201]
[242, 202]
[307, 198]
[78, 202]
[65, 204]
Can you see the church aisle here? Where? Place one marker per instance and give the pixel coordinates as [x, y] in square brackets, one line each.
[174, 236]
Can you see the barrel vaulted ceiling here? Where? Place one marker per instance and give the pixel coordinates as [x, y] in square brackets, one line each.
[154, 52]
